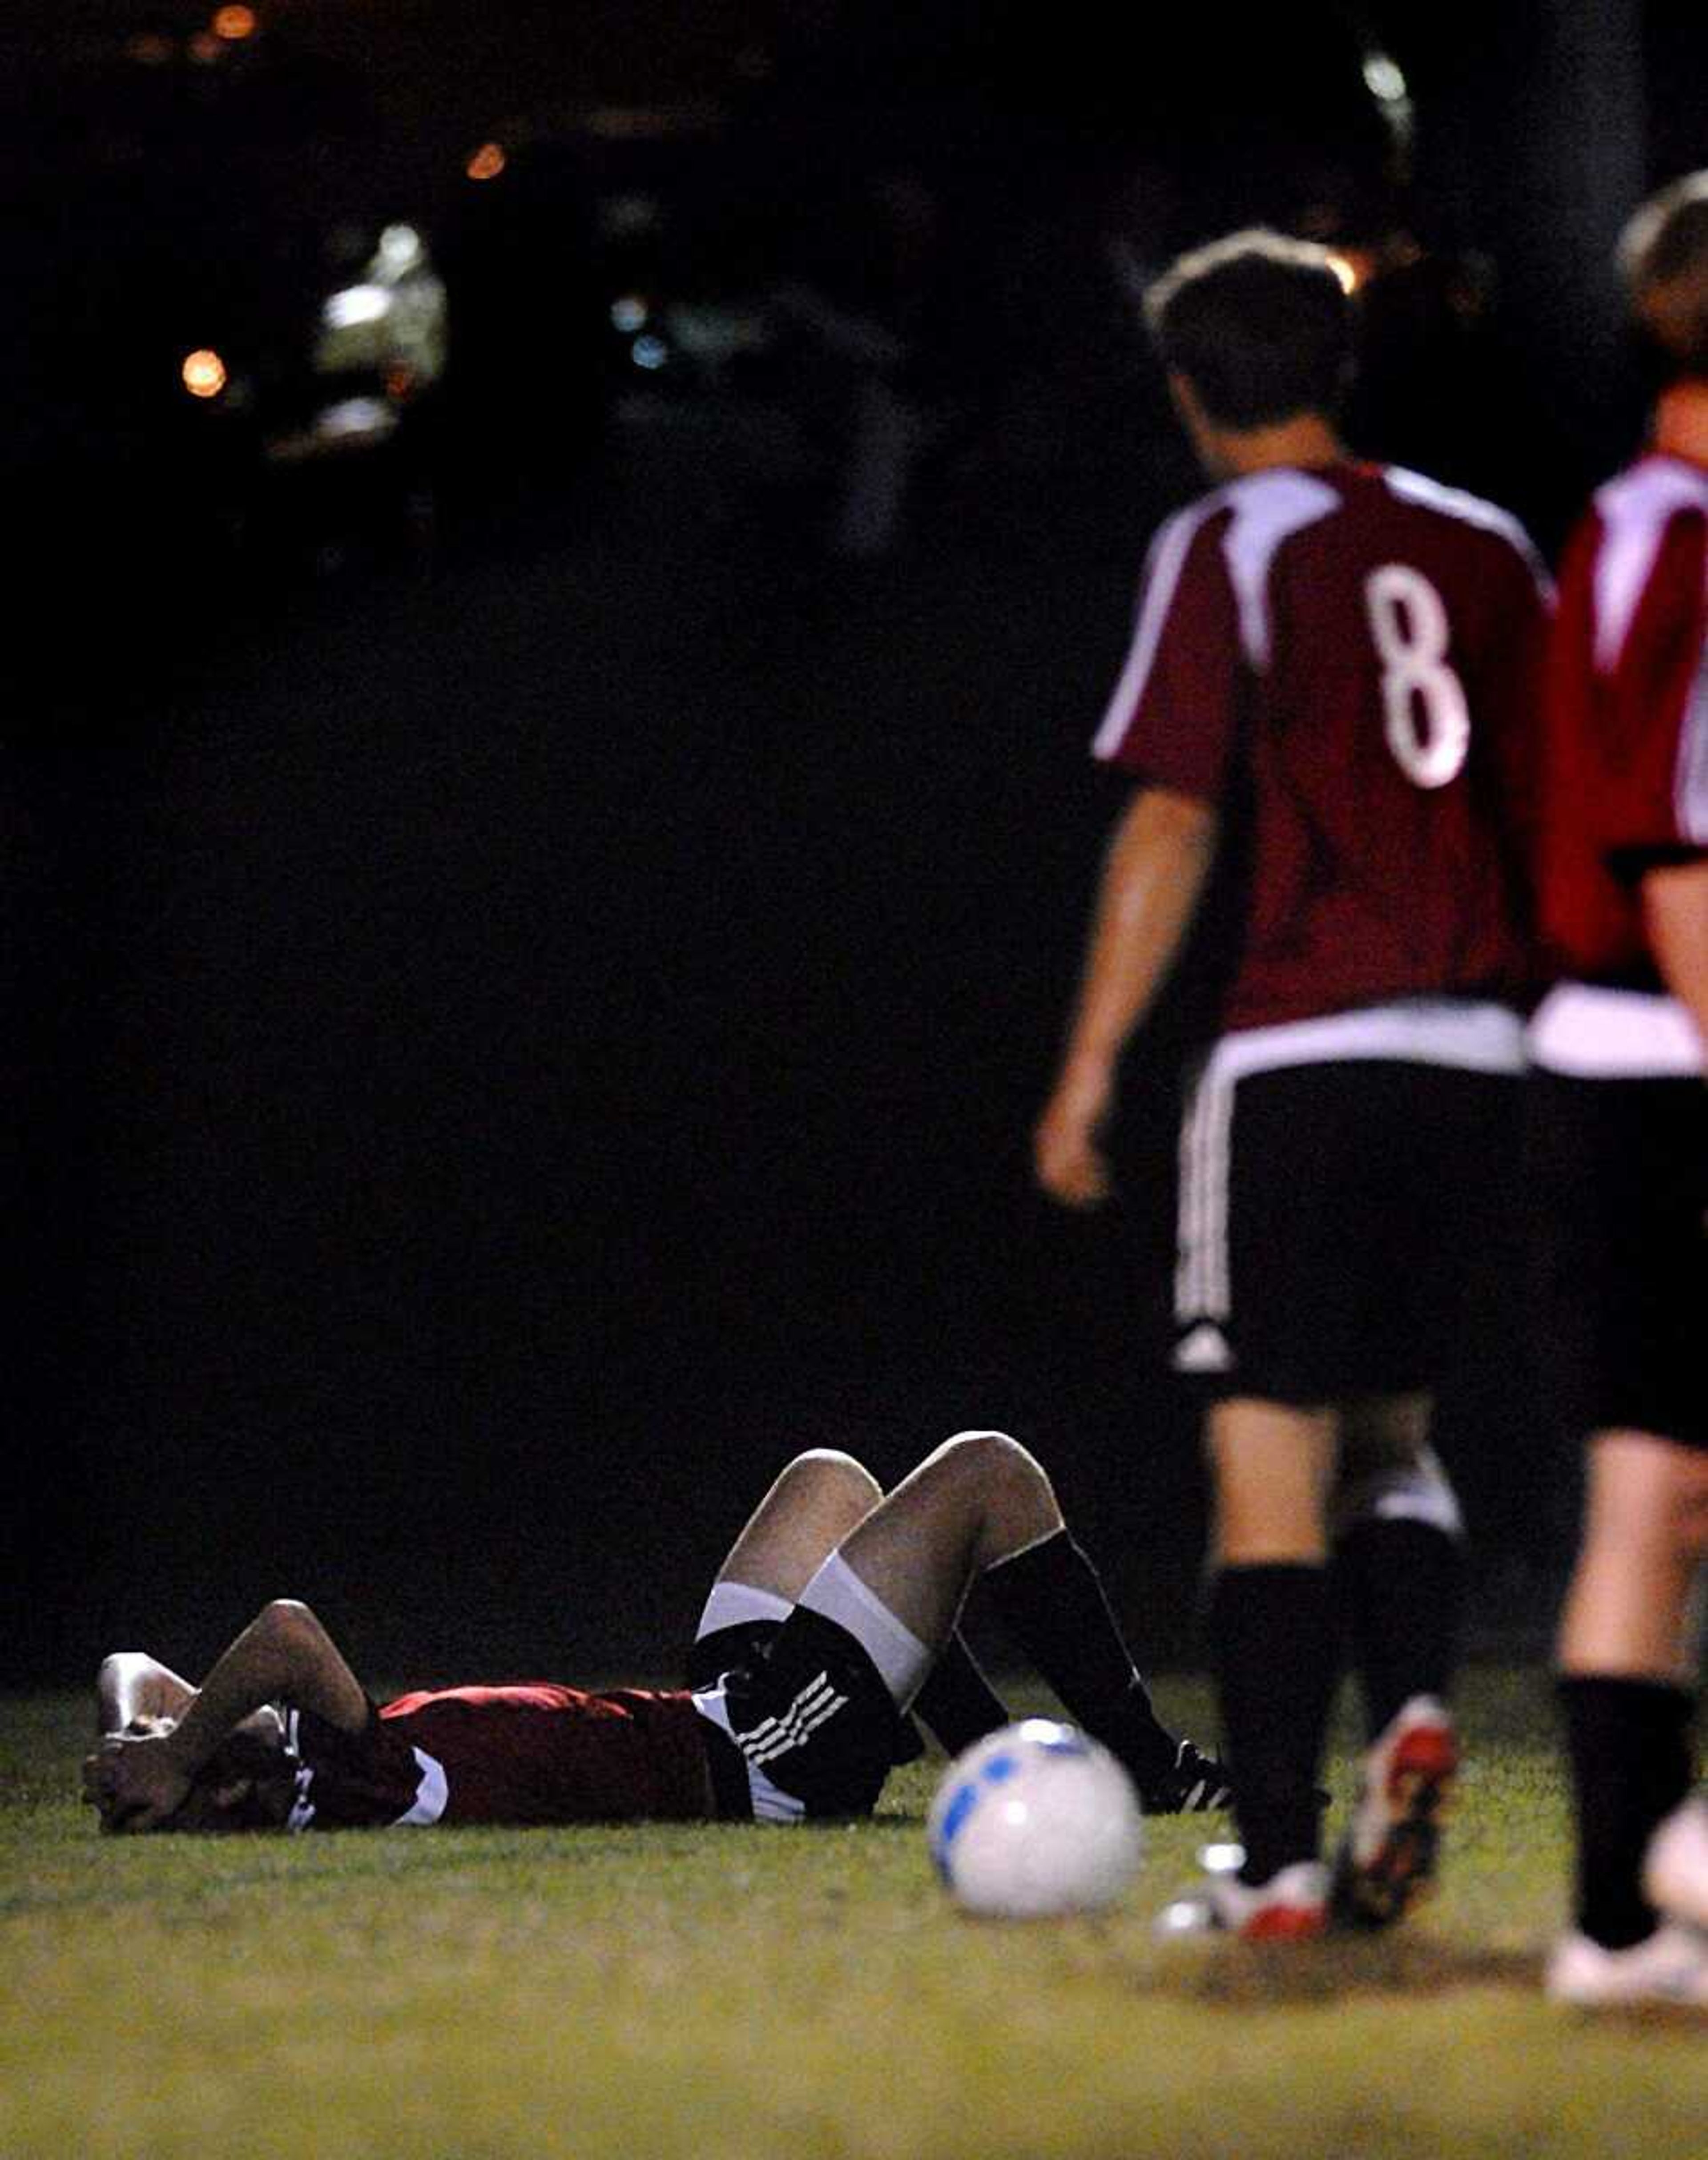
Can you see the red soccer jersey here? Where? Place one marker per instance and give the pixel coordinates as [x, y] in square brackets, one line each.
[1344, 661]
[534, 1753]
[1626, 715]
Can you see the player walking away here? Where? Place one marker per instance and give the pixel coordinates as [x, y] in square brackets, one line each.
[835, 1614]
[1324, 692]
[1623, 1119]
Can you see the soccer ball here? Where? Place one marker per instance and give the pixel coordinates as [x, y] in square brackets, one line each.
[1035, 1819]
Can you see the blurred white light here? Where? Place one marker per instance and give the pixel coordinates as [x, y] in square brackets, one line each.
[629, 314]
[355, 417]
[1384, 78]
[400, 249]
[651, 352]
[1345, 269]
[354, 304]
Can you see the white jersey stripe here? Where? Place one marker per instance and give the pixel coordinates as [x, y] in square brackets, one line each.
[1269, 508]
[1690, 786]
[1634, 510]
[1162, 577]
[1469, 510]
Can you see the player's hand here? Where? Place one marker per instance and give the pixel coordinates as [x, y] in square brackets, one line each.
[135, 1780]
[1066, 1154]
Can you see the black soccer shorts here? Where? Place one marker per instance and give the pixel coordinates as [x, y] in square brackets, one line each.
[1340, 1225]
[1619, 1274]
[807, 1713]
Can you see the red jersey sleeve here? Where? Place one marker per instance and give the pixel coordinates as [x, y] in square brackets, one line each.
[1173, 717]
[1626, 709]
[1656, 804]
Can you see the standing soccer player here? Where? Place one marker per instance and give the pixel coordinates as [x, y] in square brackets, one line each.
[1623, 1125]
[1331, 665]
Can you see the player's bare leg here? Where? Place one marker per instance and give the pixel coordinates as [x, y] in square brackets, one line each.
[981, 1509]
[813, 1504]
[811, 1507]
[1627, 1661]
[1632, 1605]
[979, 1498]
[1274, 1466]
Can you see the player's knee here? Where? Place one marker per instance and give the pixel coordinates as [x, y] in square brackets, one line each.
[992, 1462]
[832, 1479]
[288, 1619]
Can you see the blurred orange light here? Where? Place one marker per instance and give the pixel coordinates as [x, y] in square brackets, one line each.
[235, 24]
[203, 374]
[487, 163]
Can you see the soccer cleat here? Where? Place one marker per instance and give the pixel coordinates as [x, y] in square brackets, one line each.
[1291, 1907]
[1676, 1869]
[1387, 1860]
[1195, 1785]
[1670, 1965]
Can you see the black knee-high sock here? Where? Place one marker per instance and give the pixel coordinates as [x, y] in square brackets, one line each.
[1630, 1746]
[1052, 1599]
[1398, 1583]
[956, 1704]
[1277, 1659]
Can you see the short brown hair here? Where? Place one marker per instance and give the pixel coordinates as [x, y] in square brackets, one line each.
[1664, 260]
[1259, 323]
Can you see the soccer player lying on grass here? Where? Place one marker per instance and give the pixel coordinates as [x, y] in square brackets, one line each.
[835, 1616]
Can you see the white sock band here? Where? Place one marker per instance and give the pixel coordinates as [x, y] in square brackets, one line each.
[838, 1592]
[1416, 1490]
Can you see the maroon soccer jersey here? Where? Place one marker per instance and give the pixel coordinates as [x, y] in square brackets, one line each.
[1345, 662]
[1626, 715]
[534, 1752]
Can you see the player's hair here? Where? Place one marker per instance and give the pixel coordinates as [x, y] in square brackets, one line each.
[1260, 325]
[1664, 260]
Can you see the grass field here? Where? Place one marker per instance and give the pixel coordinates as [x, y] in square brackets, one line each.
[684, 1994]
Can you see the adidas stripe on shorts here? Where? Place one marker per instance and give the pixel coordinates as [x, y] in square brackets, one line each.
[807, 1719]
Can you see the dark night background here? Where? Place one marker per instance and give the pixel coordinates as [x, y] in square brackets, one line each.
[512, 1028]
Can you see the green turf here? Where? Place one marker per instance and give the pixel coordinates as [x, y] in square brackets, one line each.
[652, 1993]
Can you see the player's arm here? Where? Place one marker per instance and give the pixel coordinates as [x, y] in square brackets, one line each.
[1154, 874]
[138, 1782]
[1675, 908]
[132, 1689]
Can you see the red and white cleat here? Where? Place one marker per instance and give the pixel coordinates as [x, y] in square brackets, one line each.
[1291, 1907]
[1387, 1860]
